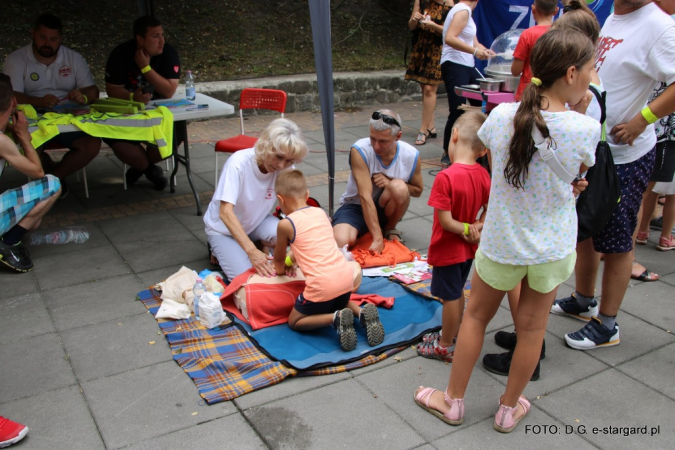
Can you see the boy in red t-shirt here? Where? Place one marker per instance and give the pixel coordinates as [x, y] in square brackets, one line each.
[542, 12]
[458, 194]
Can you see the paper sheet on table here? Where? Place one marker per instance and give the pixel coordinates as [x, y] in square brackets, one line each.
[403, 268]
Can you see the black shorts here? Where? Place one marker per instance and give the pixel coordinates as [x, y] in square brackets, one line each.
[447, 282]
[310, 308]
[67, 139]
[664, 162]
[352, 214]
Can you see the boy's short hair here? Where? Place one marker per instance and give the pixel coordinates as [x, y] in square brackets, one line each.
[6, 92]
[546, 6]
[468, 125]
[141, 25]
[291, 183]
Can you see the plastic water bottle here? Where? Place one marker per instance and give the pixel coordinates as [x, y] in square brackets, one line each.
[190, 91]
[198, 290]
[64, 236]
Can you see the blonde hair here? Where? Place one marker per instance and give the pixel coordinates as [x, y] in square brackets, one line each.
[468, 125]
[281, 136]
[380, 125]
[291, 183]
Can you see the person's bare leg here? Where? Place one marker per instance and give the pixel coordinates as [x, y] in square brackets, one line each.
[531, 319]
[649, 200]
[615, 281]
[482, 307]
[668, 216]
[638, 269]
[395, 200]
[513, 296]
[302, 322]
[133, 154]
[428, 107]
[32, 220]
[345, 234]
[450, 321]
[586, 268]
[81, 152]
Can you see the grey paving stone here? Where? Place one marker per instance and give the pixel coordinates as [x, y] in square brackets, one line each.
[230, 432]
[654, 369]
[320, 193]
[416, 232]
[289, 387]
[637, 338]
[396, 385]
[201, 149]
[612, 399]
[96, 239]
[110, 195]
[14, 283]
[654, 260]
[152, 277]
[57, 420]
[141, 404]
[405, 355]
[652, 302]
[162, 250]
[526, 436]
[91, 303]
[202, 182]
[141, 226]
[23, 316]
[32, 366]
[429, 175]
[309, 170]
[324, 417]
[84, 266]
[117, 346]
[188, 218]
[669, 280]
[418, 205]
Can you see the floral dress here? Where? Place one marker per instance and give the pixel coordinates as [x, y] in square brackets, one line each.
[425, 62]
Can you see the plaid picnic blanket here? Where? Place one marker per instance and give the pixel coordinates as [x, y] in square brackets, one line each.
[224, 363]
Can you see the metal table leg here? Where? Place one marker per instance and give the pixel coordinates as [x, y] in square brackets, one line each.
[180, 136]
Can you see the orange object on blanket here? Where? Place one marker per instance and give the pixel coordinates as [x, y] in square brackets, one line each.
[394, 253]
[270, 304]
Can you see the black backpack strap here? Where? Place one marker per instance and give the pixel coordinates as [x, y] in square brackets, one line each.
[601, 97]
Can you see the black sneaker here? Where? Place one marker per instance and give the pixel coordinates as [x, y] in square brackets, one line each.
[16, 257]
[508, 341]
[156, 175]
[133, 175]
[500, 363]
[370, 321]
[656, 224]
[343, 322]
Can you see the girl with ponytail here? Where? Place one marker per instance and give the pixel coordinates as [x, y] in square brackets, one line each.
[529, 236]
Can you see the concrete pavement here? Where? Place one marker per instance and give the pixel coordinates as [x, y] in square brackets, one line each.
[77, 366]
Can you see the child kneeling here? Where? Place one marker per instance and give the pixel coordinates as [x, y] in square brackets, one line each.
[330, 278]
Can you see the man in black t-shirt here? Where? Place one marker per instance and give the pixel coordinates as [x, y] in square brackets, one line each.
[142, 69]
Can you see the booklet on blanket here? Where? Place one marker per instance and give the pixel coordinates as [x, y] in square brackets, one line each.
[414, 276]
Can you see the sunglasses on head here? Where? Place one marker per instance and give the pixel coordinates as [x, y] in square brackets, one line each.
[386, 119]
[571, 7]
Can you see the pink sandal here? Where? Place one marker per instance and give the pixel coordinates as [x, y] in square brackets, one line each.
[666, 244]
[455, 416]
[642, 237]
[505, 420]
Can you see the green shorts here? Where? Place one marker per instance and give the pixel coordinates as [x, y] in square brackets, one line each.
[543, 278]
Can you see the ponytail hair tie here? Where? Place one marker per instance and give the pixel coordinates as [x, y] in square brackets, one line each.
[536, 81]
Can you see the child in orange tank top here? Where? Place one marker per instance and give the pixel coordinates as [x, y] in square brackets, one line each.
[330, 278]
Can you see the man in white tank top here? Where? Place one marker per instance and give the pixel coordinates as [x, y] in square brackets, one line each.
[385, 174]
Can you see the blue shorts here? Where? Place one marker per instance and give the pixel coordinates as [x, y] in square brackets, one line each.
[447, 282]
[310, 308]
[16, 203]
[352, 214]
[617, 236]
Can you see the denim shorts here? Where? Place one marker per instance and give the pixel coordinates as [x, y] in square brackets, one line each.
[310, 308]
[617, 236]
[447, 282]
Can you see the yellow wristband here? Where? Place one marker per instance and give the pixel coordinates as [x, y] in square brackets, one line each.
[86, 100]
[146, 69]
[131, 96]
[289, 263]
[648, 115]
[466, 229]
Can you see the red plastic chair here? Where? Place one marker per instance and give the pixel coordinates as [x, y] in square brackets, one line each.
[271, 99]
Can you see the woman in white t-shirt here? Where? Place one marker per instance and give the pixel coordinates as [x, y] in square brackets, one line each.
[239, 213]
[460, 46]
[529, 237]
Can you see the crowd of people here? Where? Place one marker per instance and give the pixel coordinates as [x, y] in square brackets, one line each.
[525, 248]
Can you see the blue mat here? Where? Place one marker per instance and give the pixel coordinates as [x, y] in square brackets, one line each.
[411, 316]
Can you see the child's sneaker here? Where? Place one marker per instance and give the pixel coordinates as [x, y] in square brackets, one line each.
[370, 321]
[434, 350]
[11, 432]
[593, 335]
[343, 322]
[16, 257]
[569, 307]
[431, 337]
